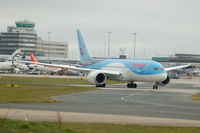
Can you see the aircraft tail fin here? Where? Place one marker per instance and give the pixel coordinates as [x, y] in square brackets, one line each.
[84, 55]
[18, 51]
[33, 58]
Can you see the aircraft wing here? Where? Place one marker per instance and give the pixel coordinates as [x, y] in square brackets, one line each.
[176, 67]
[75, 68]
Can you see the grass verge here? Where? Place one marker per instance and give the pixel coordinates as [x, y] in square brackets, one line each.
[196, 97]
[36, 93]
[38, 89]
[17, 126]
[42, 80]
[49, 80]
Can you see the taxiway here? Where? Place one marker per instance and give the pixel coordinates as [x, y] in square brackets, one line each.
[171, 102]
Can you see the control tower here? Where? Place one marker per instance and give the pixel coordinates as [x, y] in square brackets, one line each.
[21, 36]
[22, 27]
[25, 24]
[24, 36]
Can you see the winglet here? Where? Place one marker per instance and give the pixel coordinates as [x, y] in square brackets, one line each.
[84, 55]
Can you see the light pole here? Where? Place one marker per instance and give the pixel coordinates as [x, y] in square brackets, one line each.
[134, 34]
[49, 33]
[144, 54]
[109, 32]
[104, 50]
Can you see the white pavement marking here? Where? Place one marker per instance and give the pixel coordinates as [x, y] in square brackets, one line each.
[196, 85]
[127, 89]
[167, 105]
[36, 115]
[179, 90]
[125, 98]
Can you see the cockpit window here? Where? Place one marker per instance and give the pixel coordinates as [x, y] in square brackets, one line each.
[159, 68]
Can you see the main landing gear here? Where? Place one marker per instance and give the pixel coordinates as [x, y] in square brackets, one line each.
[132, 85]
[101, 85]
[155, 86]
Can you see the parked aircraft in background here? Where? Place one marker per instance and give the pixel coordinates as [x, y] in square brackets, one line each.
[119, 69]
[42, 68]
[11, 65]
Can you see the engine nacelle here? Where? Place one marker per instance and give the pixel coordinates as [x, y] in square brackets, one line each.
[23, 67]
[16, 70]
[165, 82]
[96, 77]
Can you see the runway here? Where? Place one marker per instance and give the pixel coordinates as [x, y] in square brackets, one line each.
[173, 102]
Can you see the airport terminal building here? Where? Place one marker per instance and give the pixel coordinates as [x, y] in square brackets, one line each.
[24, 36]
[51, 48]
[177, 58]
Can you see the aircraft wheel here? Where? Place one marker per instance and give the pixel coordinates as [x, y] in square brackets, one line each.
[131, 85]
[102, 85]
[134, 85]
[155, 87]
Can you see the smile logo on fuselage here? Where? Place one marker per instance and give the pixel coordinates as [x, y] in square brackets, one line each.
[81, 51]
[138, 65]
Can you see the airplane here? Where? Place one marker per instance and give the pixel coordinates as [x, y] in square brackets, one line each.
[10, 64]
[41, 68]
[119, 69]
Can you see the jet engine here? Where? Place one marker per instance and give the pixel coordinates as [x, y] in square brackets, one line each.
[16, 70]
[23, 67]
[97, 78]
[165, 82]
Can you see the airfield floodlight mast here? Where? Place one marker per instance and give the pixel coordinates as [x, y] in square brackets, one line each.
[104, 51]
[49, 33]
[109, 32]
[134, 34]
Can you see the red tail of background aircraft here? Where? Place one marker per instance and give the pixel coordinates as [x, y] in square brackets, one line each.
[33, 59]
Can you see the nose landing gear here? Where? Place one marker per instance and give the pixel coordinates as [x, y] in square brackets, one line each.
[155, 86]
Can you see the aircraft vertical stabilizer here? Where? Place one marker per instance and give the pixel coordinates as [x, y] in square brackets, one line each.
[84, 55]
[32, 57]
[18, 51]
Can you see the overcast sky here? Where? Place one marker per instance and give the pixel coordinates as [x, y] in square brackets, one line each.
[164, 27]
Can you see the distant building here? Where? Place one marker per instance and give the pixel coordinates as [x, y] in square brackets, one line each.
[51, 48]
[24, 36]
[187, 55]
[184, 58]
[21, 36]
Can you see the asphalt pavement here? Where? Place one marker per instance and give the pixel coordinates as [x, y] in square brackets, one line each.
[173, 101]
